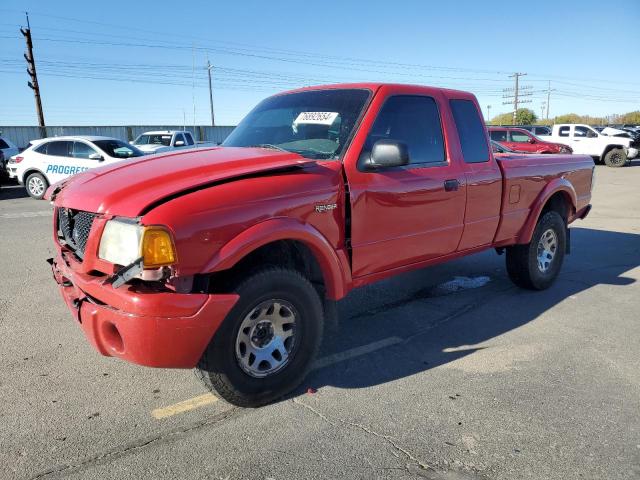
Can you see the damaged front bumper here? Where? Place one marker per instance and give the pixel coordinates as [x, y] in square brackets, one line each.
[138, 323]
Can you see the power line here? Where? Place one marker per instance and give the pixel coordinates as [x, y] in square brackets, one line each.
[518, 93]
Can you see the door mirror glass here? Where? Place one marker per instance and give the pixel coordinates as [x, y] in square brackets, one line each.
[388, 153]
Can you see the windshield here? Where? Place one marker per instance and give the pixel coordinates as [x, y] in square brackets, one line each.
[315, 124]
[155, 139]
[118, 149]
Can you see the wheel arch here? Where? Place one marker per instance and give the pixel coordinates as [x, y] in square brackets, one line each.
[31, 170]
[608, 148]
[288, 241]
[559, 196]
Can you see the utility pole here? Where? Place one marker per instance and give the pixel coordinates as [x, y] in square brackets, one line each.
[542, 105]
[209, 68]
[31, 70]
[518, 92]
[488, 113]
[549, 90]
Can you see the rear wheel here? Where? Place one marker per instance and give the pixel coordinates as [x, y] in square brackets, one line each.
[536, 265]
[267, 343]
[616, 158]
[36, 185]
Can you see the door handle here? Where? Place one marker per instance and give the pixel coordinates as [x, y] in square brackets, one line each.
[451, 185]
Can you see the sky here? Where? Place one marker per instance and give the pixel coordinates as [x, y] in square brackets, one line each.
[144, 62]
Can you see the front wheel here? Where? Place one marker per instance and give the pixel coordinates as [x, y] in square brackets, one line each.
[36, 185]
[616, 158]
[536, 265]
[268, 341]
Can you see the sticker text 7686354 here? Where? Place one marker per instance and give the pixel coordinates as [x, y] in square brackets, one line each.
[65, 169]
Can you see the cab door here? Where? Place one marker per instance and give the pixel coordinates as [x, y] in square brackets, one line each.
[408, 214]
[585, 141]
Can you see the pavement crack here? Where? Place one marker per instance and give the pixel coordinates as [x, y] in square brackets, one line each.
[337, 422]
[131, 447]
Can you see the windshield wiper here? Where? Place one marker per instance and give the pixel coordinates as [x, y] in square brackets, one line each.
[269, 146]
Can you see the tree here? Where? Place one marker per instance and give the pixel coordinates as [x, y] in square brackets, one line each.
[524, 116]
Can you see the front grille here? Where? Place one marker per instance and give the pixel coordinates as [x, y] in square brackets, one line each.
[74, 227]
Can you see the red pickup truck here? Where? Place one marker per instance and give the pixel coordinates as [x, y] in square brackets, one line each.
[228, 259]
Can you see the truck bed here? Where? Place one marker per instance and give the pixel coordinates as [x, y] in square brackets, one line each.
[526, 177]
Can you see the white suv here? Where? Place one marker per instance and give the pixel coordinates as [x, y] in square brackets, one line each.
[53, 159]
[162, 141]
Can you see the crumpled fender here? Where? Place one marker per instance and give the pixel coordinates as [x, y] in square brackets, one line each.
[554, 186]
[333, 263]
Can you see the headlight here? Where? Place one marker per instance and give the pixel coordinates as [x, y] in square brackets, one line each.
[123, 242]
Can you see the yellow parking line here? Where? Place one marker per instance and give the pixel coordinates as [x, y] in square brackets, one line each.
[184, 406]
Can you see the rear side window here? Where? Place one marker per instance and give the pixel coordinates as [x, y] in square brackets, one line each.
[498, 135]
[414, 121]
[471, 131]
[60, 148]
[563, 131]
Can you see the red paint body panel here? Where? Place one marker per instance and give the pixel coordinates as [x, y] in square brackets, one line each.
[221, 204]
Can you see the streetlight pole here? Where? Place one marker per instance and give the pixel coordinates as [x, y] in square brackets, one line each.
[488, 113]
[209, 68]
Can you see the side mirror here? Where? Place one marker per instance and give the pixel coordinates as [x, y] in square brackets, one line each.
[387, 153]
[179, 143]
[96, 156]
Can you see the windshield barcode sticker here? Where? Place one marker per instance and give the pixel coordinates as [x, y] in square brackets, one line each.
[316, 118]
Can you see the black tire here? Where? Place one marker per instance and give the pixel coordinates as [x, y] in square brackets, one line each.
[522, 260]
[36, 185]
[616, 158]
[220, 367]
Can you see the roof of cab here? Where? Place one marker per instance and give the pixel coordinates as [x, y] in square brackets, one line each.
[89, 138]
[374, 86]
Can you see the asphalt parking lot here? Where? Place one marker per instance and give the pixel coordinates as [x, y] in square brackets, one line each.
[427, 376]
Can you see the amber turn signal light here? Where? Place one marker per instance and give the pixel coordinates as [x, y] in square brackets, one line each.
[157, 248]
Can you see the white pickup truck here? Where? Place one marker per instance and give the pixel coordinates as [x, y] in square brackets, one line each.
[613, 151]
[162, 141]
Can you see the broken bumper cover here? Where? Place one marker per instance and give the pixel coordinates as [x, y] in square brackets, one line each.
[151, 328]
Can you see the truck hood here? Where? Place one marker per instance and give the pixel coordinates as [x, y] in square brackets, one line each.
[131, 188]
[151, 147]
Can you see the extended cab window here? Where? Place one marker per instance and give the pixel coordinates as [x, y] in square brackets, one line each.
[498, 135]
[519, 137]
[189, 138]
[471, 131]
[414, 121]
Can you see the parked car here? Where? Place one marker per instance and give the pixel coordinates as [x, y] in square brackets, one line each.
[8, 148]
[535, 129]
[525, 141]
[53, 159]
[230, 259]
[162, 141]
[499, 148]
[613, 151]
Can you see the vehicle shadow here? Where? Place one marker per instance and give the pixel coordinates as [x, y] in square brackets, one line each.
[11, 191]
[411, 325]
